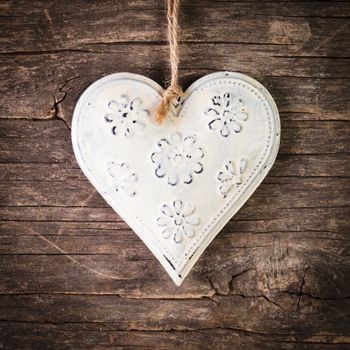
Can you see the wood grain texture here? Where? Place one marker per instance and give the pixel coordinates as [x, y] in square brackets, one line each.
[74, 276]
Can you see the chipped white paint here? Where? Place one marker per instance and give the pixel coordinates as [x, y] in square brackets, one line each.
[176, 184]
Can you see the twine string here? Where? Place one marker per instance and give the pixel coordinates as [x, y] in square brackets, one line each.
[174, 90]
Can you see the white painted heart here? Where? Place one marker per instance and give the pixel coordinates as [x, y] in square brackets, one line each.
[176, 184]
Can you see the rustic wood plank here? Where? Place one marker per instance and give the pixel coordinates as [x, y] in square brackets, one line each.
[268, 264]
[158, 314]
[85, 336]
[293, 82]
[110, 22]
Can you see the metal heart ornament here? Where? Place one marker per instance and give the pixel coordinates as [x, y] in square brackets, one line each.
[176, 184]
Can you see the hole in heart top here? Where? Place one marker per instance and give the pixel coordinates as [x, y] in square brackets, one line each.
[176, 184]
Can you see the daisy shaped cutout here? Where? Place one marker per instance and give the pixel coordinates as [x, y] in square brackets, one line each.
[126, 116]
[178, 221]
[123, 178]
[231, 175]
[178, 159]
[227, 114]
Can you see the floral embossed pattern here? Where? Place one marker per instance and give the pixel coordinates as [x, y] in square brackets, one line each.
[123, 177]
[178, 159]
[227, 114]
[231, 175]
[126, 116]
[178, 220]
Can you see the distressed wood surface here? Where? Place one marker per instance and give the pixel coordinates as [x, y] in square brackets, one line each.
[74, 276]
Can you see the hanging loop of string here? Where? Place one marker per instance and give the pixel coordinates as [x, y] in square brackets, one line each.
[174, 90]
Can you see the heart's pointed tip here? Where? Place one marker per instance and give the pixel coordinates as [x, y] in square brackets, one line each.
[178, 283]
[177, 280]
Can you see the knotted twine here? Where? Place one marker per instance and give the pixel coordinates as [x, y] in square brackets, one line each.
[174, 90]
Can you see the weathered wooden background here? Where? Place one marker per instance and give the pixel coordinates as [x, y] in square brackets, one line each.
[74, 276]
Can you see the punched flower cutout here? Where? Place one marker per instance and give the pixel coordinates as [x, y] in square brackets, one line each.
[126, 116]
[178, 221]
[123, 178]
[227, 114]
[178, 159]
[231, 175]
